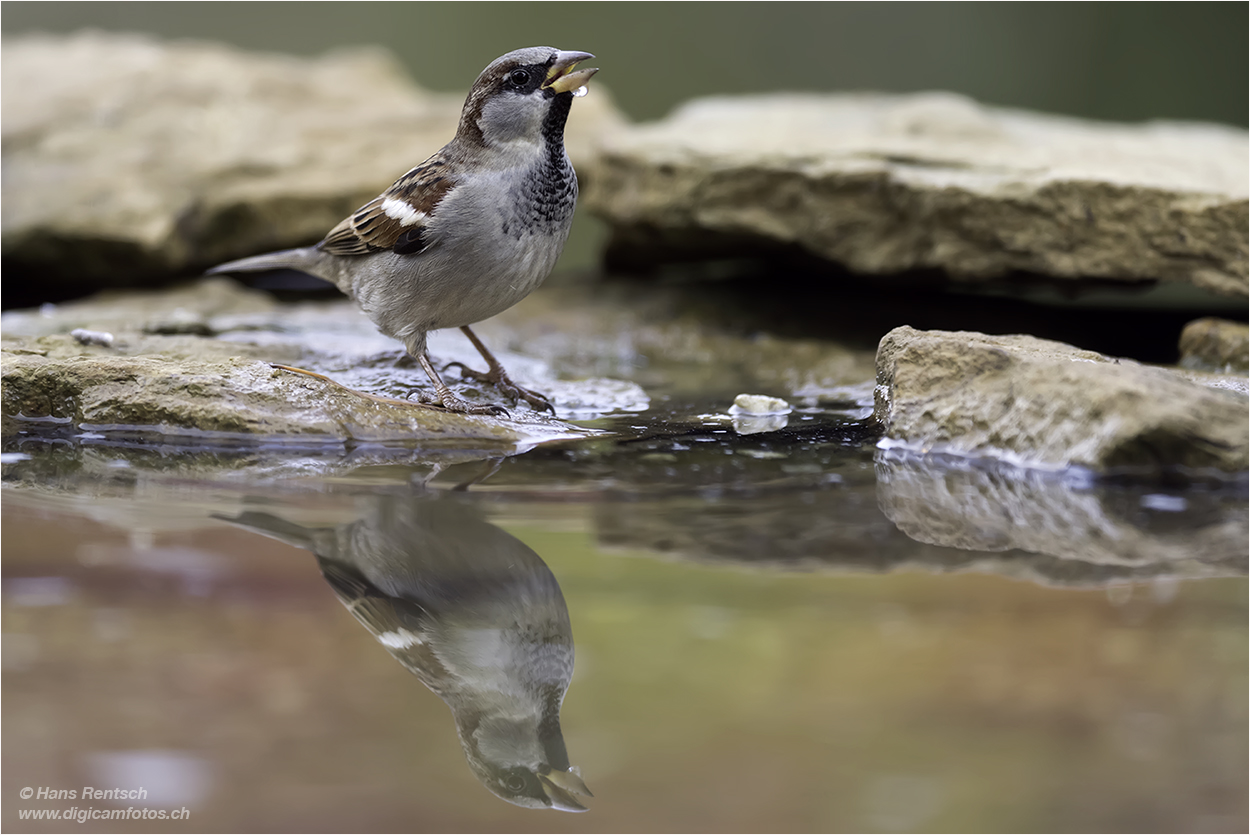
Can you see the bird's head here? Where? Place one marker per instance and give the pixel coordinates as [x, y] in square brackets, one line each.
[524, 96]
[524, 762]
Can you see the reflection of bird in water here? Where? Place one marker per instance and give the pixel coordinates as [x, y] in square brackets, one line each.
[476, 615]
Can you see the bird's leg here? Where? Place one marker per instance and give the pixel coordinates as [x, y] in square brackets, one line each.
[499, 378]
[450, 401]
[492, 467]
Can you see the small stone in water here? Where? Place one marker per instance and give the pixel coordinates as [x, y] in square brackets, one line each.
[756, 424]
[759, 404]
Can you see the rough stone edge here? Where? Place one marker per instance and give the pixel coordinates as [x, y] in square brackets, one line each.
[119, 397]
[884, 403]
[973, 230]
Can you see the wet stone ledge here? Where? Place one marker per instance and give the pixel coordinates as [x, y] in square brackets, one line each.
[883, 184]
[205, 361]
[232, 396]
[1049, 405]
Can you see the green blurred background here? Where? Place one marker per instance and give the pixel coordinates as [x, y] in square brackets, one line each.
[1123, 61]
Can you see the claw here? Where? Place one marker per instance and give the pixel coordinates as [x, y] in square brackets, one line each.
[496, 376]
[443, 400]
[450, 401]
[505, 386]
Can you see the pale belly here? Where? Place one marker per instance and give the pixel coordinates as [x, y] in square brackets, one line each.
[501, 250]
[449, 289]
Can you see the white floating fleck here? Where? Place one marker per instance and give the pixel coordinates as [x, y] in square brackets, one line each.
[580, 91]
[759, 404]
[1161, 501]
[86, 337]
[762, 453]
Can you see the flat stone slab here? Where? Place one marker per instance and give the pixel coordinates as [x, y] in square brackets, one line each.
[240, 397]
[206, 361]
[1046, 404]
[889, 183]
[127, 158]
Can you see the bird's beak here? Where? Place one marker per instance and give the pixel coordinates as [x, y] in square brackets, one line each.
[561, 786]
[559, 77]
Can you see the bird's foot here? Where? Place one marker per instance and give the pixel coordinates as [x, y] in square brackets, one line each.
[498, 378]
[445, 399]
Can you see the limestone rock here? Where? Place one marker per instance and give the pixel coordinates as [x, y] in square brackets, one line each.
[164, 397]
[128, 158]
[888, 183]
[1211, 344]
[759, 405]
[140, 374]
[1048, 404]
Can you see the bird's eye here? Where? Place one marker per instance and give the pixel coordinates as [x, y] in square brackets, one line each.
[518, 78]
[515, 783]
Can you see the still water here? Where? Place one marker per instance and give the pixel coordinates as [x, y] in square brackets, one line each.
[787, 630]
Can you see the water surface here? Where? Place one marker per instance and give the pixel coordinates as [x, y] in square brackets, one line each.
[788, 630]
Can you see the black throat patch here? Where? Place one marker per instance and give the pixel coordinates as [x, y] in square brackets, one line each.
[544, 201]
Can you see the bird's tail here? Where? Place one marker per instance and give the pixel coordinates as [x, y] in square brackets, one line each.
[270, 525]
[304, 259]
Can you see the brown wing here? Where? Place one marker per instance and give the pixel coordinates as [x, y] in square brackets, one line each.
[396, 218]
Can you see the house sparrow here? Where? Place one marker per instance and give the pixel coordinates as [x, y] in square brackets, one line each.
[469, 232]
[476, 615]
